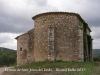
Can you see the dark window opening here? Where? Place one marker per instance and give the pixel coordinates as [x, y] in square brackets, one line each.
[20, 48]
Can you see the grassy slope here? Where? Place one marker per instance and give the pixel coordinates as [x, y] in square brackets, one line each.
[89, 68]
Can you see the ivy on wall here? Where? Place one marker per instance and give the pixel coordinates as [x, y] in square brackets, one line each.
[89, 46]
[80, 23]
[87, 43]
[85, 46]
[85, 40]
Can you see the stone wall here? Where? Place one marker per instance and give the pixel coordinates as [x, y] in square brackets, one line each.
[30, 51]
[56, 36]
[22, 47]
[25, 46]
[67, 37]
[81, 46]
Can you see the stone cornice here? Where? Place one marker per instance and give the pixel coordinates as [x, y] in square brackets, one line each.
[68, 13]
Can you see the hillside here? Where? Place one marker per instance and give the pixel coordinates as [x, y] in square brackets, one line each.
[96, 52]
[7, 56]
[5, 49]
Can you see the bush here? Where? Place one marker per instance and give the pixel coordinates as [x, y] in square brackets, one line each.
[7, 58]
[96, 58]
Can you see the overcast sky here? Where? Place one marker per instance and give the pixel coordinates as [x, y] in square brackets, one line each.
[16, 16]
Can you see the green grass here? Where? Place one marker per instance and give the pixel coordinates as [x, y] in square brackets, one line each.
[60, 64]
[89, 68]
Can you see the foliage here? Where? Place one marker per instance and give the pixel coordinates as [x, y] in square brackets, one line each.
[85, 46]
[97, 59]
[87, 43]
[7, 57]
[80, 24]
